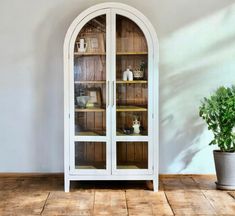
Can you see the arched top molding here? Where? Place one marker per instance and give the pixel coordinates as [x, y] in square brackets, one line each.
[121, 9]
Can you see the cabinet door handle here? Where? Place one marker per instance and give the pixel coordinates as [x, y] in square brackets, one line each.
[113, 94]
[108, 93]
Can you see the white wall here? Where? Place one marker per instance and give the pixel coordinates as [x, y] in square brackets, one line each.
[197, 51]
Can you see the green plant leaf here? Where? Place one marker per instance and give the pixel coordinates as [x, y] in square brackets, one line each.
[218, 111]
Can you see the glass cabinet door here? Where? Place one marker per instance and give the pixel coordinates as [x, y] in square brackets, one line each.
[131, 96]
[90, 90]
[90, 79]
[100, 106]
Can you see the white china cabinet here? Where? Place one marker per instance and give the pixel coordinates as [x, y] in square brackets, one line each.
[111, 119]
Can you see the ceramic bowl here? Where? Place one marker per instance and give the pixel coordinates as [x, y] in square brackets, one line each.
[82, 101]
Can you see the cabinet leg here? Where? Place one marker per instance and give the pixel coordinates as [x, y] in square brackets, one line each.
[149, 184]
[66, 185]
[155, 184]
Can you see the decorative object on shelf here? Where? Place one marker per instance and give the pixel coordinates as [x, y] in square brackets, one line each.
[127, 75]
[128, 130]
[138, 72]
[95, 42]
[136, 126]
[218, 111]
[82, 101]
[81, 45]
[95, 99]
[81, 91]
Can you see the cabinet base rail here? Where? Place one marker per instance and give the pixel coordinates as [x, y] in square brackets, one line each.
[67, 180]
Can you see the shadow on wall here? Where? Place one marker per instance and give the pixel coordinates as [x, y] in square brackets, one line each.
[194, 61]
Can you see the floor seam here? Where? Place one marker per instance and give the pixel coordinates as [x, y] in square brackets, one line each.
[229, 193]
[45, 203]
[168, 201]
[126, 204]
[93, 213]
[204, 195]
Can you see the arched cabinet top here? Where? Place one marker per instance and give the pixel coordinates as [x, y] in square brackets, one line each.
[119, 9]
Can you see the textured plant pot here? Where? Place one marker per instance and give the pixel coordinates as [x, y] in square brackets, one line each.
[225, 170]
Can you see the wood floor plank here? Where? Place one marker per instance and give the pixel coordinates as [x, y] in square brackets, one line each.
[205, 182]
[185, 197]
[22, 203]
[73, 203]
[159, 203]
[108, 202]
[178, 195]
[143, 202]
[137, 204]
[222, 201]
[31, 184]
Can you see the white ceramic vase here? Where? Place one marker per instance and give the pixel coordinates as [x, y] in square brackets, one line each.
[127, 75]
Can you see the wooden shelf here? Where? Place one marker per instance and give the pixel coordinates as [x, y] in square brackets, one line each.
[118, 82]
[91, 81]
[90, 133]
[119, 133]
[102, 54]
[132, 82]
[92, 109]
[90, 165]
[132, 53]
[131, 109]
[118, 109]
[89, 54]
[132, 165]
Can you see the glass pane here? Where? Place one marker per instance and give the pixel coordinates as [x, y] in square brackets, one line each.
[125, 125]
[90, 78]
[90, 155]
[131, 79]
[132, 155]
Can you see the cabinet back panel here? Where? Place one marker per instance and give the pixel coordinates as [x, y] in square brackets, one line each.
[129, 36]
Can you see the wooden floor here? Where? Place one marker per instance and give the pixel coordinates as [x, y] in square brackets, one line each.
[178, 195]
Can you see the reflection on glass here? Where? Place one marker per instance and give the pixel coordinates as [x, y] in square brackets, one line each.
[132, 155]
[90, 155]
[90, 79]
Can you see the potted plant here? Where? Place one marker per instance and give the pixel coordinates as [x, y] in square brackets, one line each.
[139, 71]
[218, 111]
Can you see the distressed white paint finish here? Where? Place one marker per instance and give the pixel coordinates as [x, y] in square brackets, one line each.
[111, 10]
